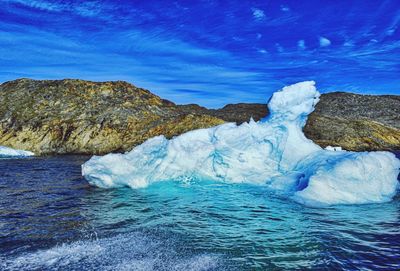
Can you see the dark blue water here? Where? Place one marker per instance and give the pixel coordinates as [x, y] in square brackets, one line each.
[51, 219]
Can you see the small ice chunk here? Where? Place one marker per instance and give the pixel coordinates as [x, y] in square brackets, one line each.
[330, 148]
[9, 152]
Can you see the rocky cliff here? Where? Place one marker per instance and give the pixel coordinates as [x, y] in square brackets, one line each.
[76, 116]
[356, 122]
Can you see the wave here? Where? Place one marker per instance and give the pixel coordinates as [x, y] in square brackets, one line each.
[134, 251]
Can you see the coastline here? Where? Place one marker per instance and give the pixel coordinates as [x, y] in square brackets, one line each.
[83, 117]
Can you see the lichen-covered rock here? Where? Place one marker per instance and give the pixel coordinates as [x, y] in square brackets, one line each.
[352, 134]
[239, 113]
[77, 116]
[356, 122]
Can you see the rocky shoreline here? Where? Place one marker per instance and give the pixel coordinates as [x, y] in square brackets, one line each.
[83, 117]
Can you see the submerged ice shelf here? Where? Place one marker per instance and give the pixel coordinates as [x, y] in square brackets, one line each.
[9, 152]
[273, 152]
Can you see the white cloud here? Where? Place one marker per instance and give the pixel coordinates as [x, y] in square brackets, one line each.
[391, 31]
[348, 44]
[285, 8]
[324, 42]
[301, 44]
[84, 9]
[258, 14]
[279, 48]
[262, 51]
[41, 5]
[88, 8]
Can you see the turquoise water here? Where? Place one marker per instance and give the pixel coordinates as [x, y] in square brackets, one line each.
[50, 218]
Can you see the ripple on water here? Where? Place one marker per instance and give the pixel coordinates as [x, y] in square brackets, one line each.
[50, 219]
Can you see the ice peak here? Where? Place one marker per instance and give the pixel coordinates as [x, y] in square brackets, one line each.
[294, 101]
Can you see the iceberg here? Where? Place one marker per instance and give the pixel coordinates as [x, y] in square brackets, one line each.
[273, 152]
[6, 152]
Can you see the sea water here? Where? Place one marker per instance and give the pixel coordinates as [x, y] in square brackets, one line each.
[52, 219]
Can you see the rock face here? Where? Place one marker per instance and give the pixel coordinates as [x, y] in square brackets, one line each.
[356, 122]
[76, 116]
[238, 113]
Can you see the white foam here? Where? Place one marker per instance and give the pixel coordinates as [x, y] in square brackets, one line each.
[134, 251]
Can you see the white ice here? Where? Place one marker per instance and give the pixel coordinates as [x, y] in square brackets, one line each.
[273, 152]
[9, 152]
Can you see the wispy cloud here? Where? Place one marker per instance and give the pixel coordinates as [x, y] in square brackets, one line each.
[82, 8]
[324, 42]
[151, 60]
[258, 14]
[195, 52]
[41, 5]
[285, 8]
[301, 44]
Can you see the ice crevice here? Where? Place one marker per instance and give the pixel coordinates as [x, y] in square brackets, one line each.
[273, 152]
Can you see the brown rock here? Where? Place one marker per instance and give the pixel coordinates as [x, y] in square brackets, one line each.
[77, 116]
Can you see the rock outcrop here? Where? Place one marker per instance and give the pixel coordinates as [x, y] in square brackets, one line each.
[356, 122]
[76, 116]
[239, 113]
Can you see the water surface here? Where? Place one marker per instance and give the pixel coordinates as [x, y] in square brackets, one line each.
[50, 218]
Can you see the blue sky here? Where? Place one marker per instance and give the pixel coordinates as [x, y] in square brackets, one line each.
[207, 52]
